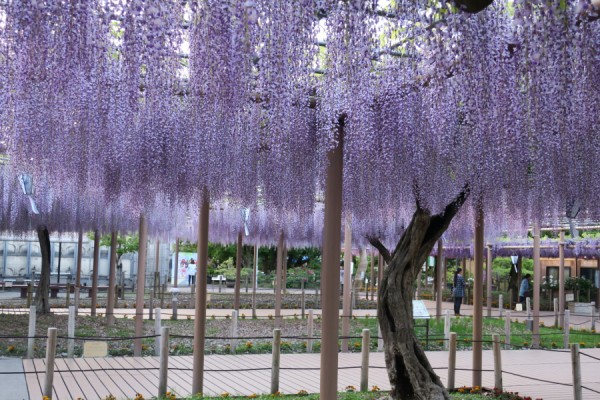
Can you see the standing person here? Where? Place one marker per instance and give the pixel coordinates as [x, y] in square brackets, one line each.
[459, 290]
[192, 272]
[524, 289]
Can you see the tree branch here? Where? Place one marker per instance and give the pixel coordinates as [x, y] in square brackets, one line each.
[440, 222]
[385, 253]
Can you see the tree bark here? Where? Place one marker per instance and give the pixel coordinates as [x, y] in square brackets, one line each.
[410, 373]
[42, 303]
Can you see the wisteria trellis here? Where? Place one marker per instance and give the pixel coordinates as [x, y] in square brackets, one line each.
[123, 106]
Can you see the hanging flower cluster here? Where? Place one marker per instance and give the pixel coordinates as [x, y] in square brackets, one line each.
[122, 107]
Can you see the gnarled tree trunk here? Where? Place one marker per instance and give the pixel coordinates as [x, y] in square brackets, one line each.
[42, 303]
[411, 375]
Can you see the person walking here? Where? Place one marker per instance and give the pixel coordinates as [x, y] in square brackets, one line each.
[192, 272]
[524, 289]
[458, 291]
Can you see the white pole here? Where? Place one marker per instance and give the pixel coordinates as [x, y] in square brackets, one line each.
[309, 344]
[447, 324]
[31, 334]
[566, 328]
[157, 331]
[164, 362]
[71, 332]
[507, 328]
[234, 331]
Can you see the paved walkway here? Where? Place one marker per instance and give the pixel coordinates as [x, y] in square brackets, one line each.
[536, 373]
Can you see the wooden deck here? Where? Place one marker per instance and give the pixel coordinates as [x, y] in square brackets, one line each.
[123, 377]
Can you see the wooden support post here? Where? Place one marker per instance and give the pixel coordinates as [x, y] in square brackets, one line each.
[275, 361]
[447, 323]
[575, 363]
[379, 339]
[151, 307]
[500, 305]
[157, 330]
[364, 369]
[310, 331]
[566, 329]
[452, 361]
[200, 312]
[176, 266]
[234, 331]
[330, 277]
[497, 362]
[593, 316]
[31, 332]
[174, 303]
[478, 298]
[164, 362]
[163, 289]
[71, 332]
[50, 354]
[140, 287]
[507, 329]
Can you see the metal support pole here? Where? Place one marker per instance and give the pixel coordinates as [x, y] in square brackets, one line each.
[234, 331]
[566, 329]
[500, 305]
[50, 354]
[71, 332]
[575, 363]
[275, 362]
[31, 332]
[447, 323]
[164, 362]
[157, 330]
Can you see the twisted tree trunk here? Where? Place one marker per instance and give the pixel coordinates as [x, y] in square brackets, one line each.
[411, 375]
[42, 303]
